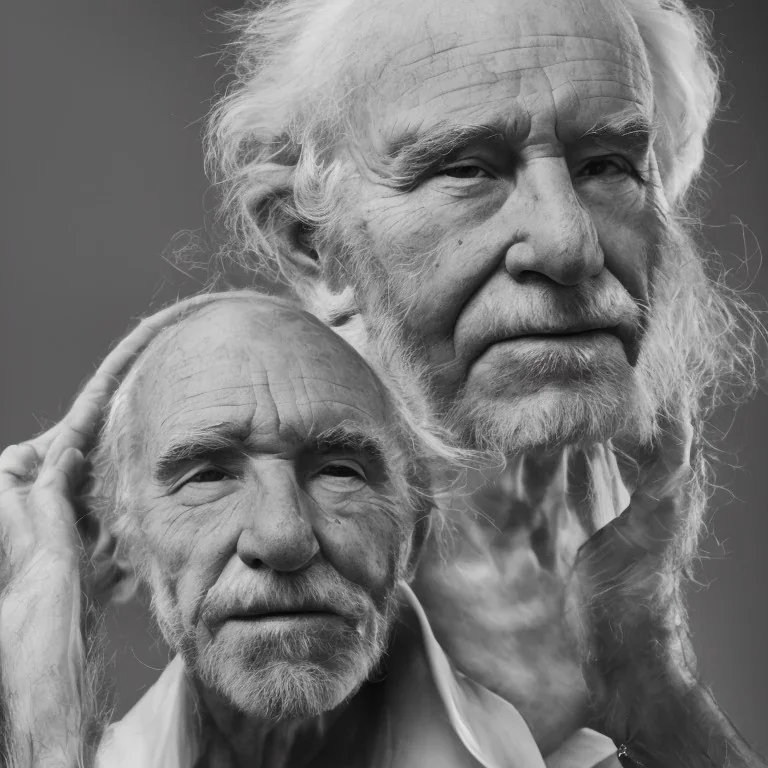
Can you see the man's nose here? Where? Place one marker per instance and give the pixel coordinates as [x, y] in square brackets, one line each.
[556, 234]
[277, 527]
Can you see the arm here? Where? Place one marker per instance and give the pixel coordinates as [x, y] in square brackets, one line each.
[43, 670]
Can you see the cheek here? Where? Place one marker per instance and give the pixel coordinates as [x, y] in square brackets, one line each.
[187, 548]
[437, 251]
[362, 546]
[630, 243]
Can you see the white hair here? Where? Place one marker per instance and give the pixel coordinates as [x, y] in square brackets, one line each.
[294, 88]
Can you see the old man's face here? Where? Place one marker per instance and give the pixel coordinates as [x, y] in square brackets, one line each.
[511, 209]
[266, 513]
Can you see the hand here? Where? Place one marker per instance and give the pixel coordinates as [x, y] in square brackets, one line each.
[493, 591]
[625, 605]
[649, 525]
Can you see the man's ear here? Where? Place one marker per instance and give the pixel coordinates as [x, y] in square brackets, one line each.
[272, 209]
[302, 252]
[110, 576]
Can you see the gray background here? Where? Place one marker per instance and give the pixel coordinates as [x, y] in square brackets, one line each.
[101, 104]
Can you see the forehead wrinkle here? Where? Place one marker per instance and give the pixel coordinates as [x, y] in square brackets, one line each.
[558, 53]
[496, 79]
[451, 46]
[183, 406]
[334, 383]
[346, 406]
[559, 76]
[493, 74]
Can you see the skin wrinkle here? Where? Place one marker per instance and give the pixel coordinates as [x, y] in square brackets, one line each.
[489, 57]
[521, 40]
[497, 74]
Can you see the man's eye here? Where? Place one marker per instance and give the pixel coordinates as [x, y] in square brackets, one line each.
[465, 172]
[208, 476]
[343, 469]
[610, 165]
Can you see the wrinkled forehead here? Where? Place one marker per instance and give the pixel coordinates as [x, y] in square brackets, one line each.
[278, 373]
[440, 49]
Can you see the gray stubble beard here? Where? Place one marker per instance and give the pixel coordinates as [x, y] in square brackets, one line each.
[276, 677]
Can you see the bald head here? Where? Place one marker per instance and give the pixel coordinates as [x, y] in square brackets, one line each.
[279, 334]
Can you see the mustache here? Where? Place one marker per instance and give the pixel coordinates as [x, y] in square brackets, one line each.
[563, 311]
[320, 588]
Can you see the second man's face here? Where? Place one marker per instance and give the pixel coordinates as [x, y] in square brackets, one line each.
[512, 206]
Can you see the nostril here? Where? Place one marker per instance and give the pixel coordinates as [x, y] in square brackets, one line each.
[531, 277]
[250, 560]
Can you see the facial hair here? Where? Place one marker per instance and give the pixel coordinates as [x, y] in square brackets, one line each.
[614, 400]
[273, 673]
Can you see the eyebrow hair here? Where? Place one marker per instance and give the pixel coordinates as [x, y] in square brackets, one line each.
[198, 443]
[630, 128]
[356, 439]
[414, 152]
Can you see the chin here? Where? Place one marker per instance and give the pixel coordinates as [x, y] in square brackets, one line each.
[547, 408]
[277, 676]
[284, 690]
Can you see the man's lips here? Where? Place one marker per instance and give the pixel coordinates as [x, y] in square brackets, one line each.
[625, 334]
[277, 611]
[284, 615]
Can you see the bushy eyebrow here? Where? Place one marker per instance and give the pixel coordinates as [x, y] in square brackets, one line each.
[415, 152]
[355, 439]
[632, 130]
[196, 444]
[218, 441]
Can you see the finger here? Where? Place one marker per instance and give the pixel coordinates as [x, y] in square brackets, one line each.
[19, 459]
[21, 513]
[667, 463]
[18, 463]
[647, 530]
[63, 457]
[50, 501]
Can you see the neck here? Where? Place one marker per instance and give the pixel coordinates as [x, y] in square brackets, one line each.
[233, 739]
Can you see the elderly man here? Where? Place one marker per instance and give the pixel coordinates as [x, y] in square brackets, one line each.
[266, 487]
[488, 200]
